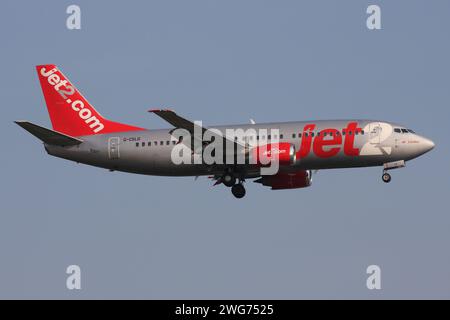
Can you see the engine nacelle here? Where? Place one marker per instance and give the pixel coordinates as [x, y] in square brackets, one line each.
[294, 180]
[283, 152]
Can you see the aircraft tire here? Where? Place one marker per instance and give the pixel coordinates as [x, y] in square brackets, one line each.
[238, 190]
[386, 177]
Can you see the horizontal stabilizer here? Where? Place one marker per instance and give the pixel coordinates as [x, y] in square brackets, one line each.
[49, 136]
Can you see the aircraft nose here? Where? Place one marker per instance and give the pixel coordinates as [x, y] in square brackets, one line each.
[427, 144]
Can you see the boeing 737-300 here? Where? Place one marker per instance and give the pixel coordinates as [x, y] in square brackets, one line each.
[79, 133]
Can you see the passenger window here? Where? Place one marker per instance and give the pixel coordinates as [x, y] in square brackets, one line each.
[312, 134]
[161, 143]
[306, 134]
[362, 132]
[411, 131]
[281, 136]
[167, 142]
[137, 144]
[397, 130]
[269, 137]
[174, 142]
[149, 143]
[299, 135]
[143, 144]
[404, 131]
[293, 136]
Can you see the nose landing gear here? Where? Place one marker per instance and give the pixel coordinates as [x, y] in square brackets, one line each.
[386, 177]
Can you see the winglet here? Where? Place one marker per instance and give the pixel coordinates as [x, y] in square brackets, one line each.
[160, 110]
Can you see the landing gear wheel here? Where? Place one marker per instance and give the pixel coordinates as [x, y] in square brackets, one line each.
[238, 190]
[228, 179]
[386, 177]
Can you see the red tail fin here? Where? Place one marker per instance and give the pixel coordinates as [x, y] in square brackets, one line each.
[69, 111]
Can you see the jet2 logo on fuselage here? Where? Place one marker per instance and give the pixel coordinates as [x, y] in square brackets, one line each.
[331, 139]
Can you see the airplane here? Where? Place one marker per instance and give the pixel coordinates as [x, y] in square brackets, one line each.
[79, 133]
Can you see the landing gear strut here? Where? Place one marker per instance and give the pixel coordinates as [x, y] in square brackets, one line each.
[238, 190]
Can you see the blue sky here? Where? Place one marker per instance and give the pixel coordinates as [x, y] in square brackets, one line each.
[225, 62]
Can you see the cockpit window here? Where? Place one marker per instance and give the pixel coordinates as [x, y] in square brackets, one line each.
[403, 130]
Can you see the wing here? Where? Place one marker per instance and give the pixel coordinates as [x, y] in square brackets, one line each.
[177, 121]
[180, 122]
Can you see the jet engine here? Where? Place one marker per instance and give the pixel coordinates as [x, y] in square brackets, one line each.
[294, 180]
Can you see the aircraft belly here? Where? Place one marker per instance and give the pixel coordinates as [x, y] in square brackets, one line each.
[339, 161]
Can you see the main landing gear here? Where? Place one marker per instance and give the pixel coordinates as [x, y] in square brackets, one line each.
[238, 190]
[228, 179]
[236, 185]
